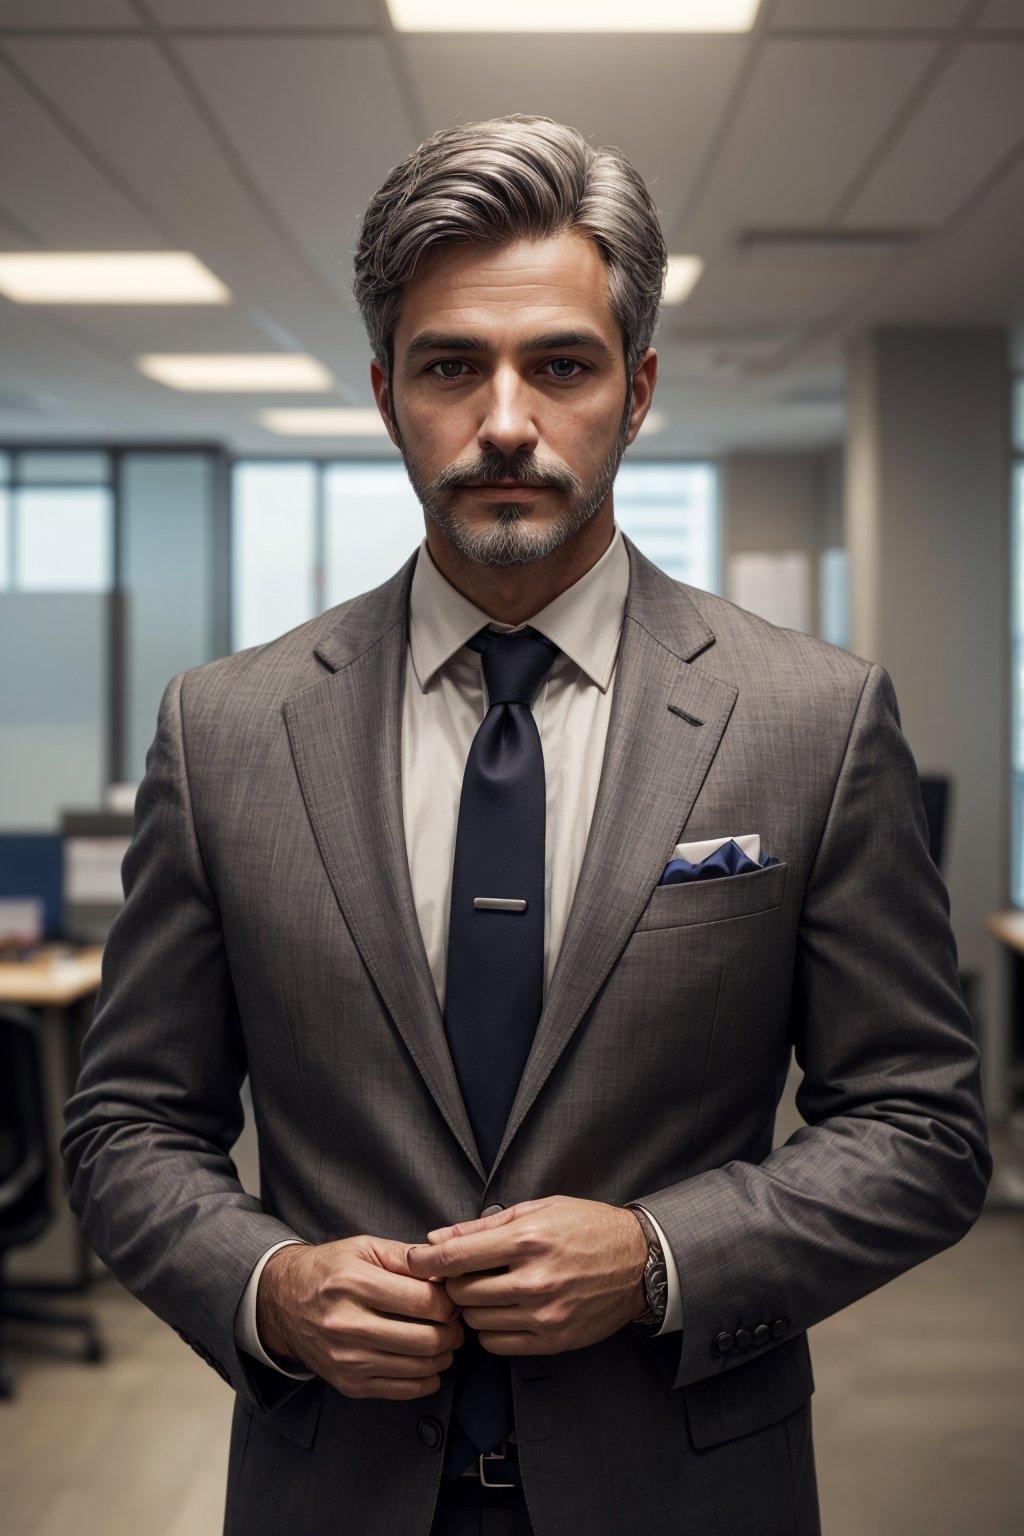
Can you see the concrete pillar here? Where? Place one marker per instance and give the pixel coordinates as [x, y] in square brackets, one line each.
[927, 534]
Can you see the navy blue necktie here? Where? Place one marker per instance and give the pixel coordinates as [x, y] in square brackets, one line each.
[494, 986]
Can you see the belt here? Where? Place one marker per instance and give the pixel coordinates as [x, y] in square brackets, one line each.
[493, 1480]
[498, 1468]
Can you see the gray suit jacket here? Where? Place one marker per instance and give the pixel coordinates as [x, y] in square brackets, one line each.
[269, 928]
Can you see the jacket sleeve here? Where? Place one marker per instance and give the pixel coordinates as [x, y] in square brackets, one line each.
[156, 1110]
[893, 1162]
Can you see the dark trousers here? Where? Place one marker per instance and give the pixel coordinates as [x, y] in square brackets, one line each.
[466, 1520]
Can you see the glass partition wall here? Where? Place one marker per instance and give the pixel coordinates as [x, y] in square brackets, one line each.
[120, 567]
[110, 562]
[306, 535]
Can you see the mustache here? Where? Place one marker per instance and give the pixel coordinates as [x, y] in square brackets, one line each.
[521, 468]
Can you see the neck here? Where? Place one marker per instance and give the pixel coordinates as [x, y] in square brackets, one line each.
[513, 594]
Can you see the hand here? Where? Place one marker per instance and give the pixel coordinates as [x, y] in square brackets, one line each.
[352, 1313]
[543, 1276]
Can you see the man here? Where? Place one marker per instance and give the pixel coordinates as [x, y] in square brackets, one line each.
[514, 926]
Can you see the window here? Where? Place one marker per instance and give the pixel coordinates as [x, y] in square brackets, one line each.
[373, 522]
[56, 522]
[670, 511]
[274, 539]
[306, 536]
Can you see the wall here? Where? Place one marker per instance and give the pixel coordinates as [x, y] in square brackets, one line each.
[927, 533]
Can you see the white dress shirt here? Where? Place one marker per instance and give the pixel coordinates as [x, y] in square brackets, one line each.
[443, 704]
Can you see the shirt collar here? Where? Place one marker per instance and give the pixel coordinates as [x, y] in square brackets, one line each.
[584, 621]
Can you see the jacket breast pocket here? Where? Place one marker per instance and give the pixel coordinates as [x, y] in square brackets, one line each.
[714, 901]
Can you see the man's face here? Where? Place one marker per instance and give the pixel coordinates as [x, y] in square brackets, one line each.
[509, 395]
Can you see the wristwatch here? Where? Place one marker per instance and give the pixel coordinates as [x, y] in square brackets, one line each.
[655, 1277]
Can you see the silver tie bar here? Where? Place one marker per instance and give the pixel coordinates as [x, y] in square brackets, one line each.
[499, 904]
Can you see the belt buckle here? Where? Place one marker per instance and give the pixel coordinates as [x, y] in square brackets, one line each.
[492, 1456]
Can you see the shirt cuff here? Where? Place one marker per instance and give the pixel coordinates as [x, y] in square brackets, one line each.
[673, 1321]
[246, 1333]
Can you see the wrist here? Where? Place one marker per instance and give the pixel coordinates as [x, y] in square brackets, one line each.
[276, 1305]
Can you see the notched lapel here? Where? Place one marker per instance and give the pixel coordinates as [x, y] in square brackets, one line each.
[345, 735]
[667, 722]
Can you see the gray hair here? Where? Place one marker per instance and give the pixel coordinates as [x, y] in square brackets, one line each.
[508, 179]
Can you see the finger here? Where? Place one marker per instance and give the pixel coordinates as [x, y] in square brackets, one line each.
[405, 1367]
[488, 1320]
[402, 1295]
[483, 1223]
[500, 1290]
[399, 1389]
[416, 1339]
[517, 1343]
[493, 1249]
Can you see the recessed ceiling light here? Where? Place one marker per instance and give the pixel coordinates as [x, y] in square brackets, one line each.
[573, 15]
[235, 373]
[838, 247]
[337, 421]
[102, 277]
[682, 278]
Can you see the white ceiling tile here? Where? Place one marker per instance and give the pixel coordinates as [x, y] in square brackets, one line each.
[49, 185]
[170, 158]
[974, 275]
[740, 296]
[318, 122]
[809, 118]
[594, 84]
[1002, 14]
[281, 15]
[969, 121]
[60, 15]
[872, 15]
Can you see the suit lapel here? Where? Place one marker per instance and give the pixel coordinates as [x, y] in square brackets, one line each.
[345, 735]
[667, 721]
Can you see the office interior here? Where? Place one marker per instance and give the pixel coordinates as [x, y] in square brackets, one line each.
[837, 442]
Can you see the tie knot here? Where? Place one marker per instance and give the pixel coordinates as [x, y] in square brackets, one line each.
[514, 664]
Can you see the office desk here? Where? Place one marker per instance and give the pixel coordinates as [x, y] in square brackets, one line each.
[61, 988]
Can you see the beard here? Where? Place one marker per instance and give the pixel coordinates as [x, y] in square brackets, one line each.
[509, 538]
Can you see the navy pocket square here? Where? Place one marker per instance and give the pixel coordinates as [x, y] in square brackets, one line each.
[727, 859]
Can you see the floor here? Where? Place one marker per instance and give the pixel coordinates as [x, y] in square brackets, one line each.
[919, 1414]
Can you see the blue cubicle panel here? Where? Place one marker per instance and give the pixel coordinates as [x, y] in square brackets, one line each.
[32, 865]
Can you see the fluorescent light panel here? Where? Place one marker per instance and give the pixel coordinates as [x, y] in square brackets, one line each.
[102, 277]
[573, 15]
[341, 421]
[682, 277]
[236, 373]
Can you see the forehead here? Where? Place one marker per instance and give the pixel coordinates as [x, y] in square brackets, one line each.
[526, 286]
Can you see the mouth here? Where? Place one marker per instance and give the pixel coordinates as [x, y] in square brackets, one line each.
[506, 487]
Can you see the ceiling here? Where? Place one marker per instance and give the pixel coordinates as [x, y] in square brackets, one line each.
[253, 132]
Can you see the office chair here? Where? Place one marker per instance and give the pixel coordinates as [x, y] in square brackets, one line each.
[24, 1169]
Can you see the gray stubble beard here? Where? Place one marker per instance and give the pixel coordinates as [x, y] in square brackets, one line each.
[509, 540]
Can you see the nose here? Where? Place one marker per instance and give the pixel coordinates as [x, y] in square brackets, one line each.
[508, 423]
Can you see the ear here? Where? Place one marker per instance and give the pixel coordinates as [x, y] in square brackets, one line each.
[382, 395]
[645, 376]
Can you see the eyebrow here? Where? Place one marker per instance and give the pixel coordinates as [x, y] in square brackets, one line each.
[551, 341]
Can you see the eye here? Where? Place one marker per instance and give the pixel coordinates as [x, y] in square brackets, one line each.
[564, 367]
[448, 368]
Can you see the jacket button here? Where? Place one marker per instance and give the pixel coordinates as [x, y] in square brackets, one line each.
[780, 1327]
[431, 1433]
[723, 1343]
[492, 1210]
[762, 1333]
[744, 1338]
